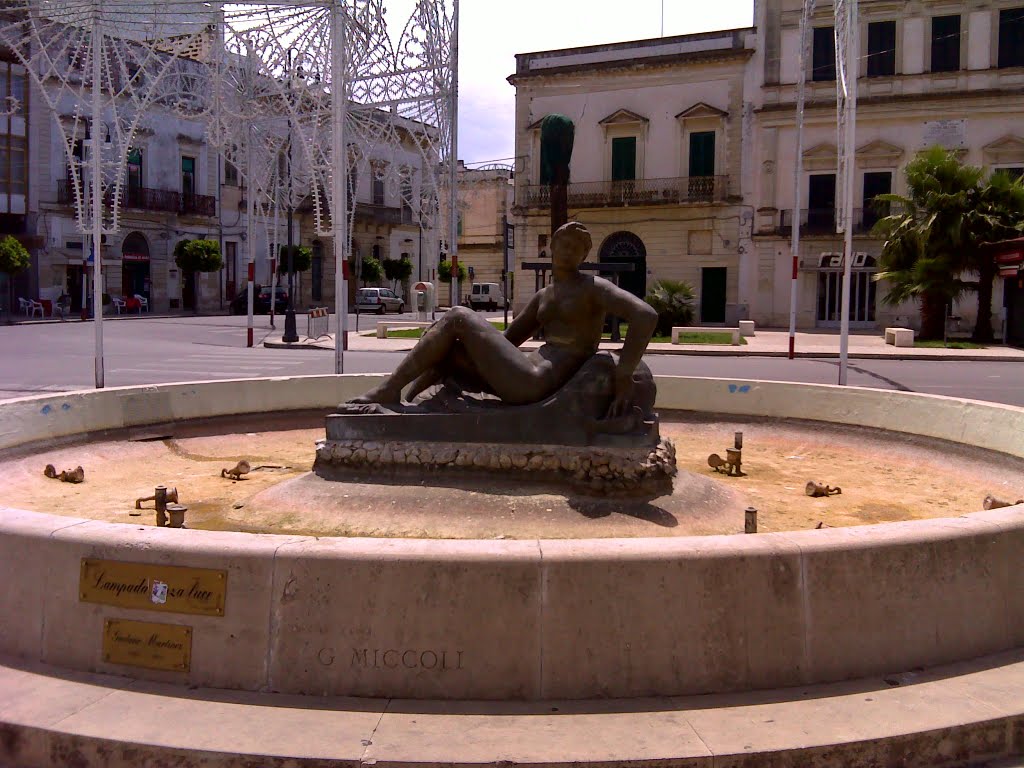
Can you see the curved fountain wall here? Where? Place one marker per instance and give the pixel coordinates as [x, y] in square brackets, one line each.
[531, 619]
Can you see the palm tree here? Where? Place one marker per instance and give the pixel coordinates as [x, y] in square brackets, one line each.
[922, 254]
[673, 301]
[935, 238]
[999, 216]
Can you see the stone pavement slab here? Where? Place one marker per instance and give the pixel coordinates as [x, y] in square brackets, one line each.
[969, 713]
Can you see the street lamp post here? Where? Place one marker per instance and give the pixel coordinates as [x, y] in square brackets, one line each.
[291, 334]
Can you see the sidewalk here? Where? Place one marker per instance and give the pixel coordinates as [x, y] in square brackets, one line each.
[766, 343]
[75, 317]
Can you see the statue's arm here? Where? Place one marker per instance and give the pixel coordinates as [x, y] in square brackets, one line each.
[642, 320]
[525, 323]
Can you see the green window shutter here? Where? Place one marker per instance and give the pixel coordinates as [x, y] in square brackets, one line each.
[624, 158]
[702, 153]
[823, 54]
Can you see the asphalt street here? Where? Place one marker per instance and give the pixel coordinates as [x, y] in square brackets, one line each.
[54, 357]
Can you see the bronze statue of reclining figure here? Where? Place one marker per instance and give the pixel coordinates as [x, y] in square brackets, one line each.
[569, 313]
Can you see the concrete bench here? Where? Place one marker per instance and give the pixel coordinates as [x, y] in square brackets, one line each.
[746, 327]
[383, 326]
[677, 331]
[899, 337]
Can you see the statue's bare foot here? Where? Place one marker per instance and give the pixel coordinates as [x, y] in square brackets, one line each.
[382, 394]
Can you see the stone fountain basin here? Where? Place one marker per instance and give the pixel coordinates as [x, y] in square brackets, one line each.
[530, 618]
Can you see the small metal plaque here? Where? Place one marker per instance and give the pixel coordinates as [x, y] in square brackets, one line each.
[146, 644]
[153, 587]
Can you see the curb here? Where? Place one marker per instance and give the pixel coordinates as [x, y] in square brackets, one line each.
[269, 344]
[958, 714]
[695, 352]
[106, 318]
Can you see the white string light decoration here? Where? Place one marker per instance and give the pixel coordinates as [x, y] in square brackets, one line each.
[256, 75]
[148, 57]
[398, 99]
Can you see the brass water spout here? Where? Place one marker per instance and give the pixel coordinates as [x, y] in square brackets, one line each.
[162, 496]
[817, 489]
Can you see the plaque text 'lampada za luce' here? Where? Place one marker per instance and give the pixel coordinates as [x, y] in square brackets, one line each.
[153, 587]
[147, 644]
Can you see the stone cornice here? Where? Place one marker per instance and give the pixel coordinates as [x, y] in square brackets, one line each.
[623, 117]
[997, 95]
[1008, 149]
[701, 109]
[656, 62]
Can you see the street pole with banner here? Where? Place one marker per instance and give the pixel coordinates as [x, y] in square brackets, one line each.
[250, 239]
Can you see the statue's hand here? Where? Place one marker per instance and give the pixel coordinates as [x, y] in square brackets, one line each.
[623, 396]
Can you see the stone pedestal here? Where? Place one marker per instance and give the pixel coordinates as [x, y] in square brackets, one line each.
[565, 439]
[645, 470]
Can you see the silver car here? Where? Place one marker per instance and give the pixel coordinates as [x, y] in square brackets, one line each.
[379, 300]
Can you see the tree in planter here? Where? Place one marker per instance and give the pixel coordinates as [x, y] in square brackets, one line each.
[397, 271]
[444, 272]
[14, 259]
[193, 256]
[673, 301]
[371, 270]
[302, 260]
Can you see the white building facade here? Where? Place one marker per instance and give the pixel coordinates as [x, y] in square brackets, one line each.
[946, 73]
[656, 163]
[706, 125]
[177, 187]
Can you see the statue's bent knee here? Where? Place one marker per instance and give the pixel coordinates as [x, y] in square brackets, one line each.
[460, 313]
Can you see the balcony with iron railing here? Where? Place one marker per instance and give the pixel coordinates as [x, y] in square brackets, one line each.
[369, 212]
[822, 221]
[146, 199]
[602, 194]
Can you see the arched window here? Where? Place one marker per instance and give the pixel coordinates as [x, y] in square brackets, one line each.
[625, 247]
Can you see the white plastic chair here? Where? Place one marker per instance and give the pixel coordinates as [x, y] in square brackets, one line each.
[36, 306]
[62, 305]
[24, 306]
[119, 303]
[143, 303]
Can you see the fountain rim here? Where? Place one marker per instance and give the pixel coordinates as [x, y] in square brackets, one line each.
[772, 399]
[711, 613]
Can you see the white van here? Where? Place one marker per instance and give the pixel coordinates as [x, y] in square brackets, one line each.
[486, 296]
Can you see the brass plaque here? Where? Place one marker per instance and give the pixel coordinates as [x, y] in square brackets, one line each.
[153, 587]
[145, 644]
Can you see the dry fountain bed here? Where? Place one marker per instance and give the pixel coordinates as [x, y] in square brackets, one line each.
[884, 476]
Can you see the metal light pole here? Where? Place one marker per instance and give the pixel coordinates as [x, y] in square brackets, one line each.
[847, 39]
[798, 171]
[339, 175]
[96, 161]
[453, 154]
[250, 238]
[291, 335]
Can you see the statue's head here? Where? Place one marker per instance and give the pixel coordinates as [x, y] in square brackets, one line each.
[571, 241]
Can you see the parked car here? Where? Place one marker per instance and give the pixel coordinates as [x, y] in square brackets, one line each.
[261, 304]
[379, 300]
[486, 296]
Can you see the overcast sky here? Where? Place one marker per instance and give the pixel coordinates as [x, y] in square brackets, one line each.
[492, 32]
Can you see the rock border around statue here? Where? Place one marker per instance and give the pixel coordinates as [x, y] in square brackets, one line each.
[593, 470]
